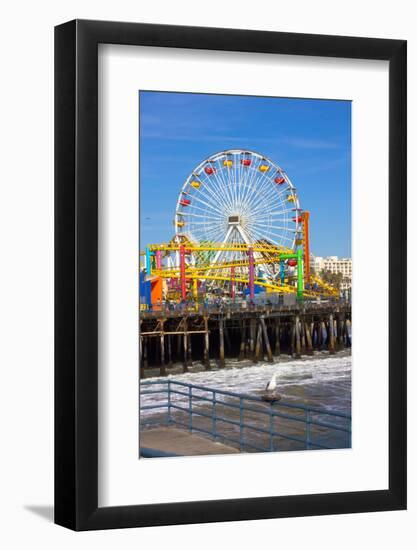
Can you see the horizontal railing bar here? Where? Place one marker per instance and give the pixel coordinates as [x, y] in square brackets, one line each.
[244, 397]
[148, 407]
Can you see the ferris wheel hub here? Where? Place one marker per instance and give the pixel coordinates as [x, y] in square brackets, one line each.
[234, 220]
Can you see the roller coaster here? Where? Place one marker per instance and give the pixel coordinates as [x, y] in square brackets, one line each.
[239, 230]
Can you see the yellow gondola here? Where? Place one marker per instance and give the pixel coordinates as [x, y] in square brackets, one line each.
[264, 168]
[196, 184]
[290, 198]
[228, 163]
[180, 224]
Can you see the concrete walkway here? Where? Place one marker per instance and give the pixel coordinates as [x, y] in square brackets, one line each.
[181, 442]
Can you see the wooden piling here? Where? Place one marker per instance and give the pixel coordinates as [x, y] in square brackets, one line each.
[322, 333]
[301, 324]
[277, 338]
[347, 327]
[252, 329]
[221, 341]
[162, 370]
[185, 364]
[190, 350]
[206, 345]
[227, 339]
[258, 347]
[242, 341]
[292, 347]
[169, 346]
[339, 325]
[309, 343]
[266, 339]
[330, 336]
[297, 337]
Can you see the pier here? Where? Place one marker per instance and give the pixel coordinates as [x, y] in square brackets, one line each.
[212, 334]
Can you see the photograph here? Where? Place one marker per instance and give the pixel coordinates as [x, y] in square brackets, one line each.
[245, 274]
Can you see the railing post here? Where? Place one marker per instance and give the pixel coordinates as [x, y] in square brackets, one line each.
[241, 423]
[213, 416]
[271, 427]
[190, 408]
[308, 429]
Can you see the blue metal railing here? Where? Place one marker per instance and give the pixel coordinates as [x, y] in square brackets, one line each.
[223, 415]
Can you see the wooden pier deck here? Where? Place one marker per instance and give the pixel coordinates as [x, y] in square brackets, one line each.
[181, 442]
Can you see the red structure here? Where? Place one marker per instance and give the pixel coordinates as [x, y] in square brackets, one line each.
[158, 258]
[306, 244]
[251, 273]
[182, 273]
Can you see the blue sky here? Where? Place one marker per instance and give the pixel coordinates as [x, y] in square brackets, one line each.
[309, 139]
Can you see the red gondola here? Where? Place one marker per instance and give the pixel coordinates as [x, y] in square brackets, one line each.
[299, 219]
[209, 170]
[185, 202]
[292, 263]
[279, 180]
[246, 162]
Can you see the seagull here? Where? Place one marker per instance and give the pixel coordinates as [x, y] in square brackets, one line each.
[272, 384]
[269, 394]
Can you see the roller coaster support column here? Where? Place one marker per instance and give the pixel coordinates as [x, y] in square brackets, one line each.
[195, 289]
[251, 273]
[232, 273]
[282, 271]
[300, 279]
[158, 256]
[148, 261]
[182, 273]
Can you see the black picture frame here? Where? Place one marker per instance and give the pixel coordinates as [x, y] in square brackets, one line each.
[76, 271]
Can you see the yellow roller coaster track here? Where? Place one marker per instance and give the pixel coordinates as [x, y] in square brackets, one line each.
[215, 247]
[201, 272]
[273, 287]
[173, 272]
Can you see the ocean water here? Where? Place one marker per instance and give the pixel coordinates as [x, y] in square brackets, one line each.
[322, 381]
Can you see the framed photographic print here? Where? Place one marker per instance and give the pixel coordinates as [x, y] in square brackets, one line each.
[230, 275]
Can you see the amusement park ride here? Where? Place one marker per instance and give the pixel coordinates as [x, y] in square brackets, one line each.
[239, 230]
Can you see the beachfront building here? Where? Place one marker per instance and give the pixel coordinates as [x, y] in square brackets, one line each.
[334, 264]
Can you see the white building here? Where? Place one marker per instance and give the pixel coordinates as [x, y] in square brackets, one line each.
[334, 265]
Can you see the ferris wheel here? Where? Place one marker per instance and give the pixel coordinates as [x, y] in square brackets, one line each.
[238, 196]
